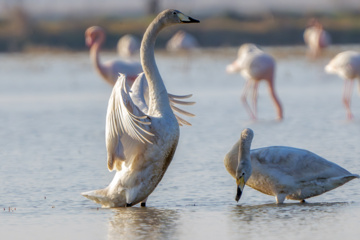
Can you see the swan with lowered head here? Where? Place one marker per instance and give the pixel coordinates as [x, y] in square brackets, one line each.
[283, 172]
[141, 138]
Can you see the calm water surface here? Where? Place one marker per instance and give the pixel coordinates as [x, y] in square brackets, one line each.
[52, 148]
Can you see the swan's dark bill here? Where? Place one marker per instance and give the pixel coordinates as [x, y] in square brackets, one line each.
[191, 20]
[240, 182]
[186, 19]
[238, 194]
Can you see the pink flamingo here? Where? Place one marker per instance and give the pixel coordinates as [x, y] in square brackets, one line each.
[109, 70]
[316, 38]
[181, 41]
[255, 65]
[347, 66]
[128, 45]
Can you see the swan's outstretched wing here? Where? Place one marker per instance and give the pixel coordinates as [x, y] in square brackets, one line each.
[127, 125]
[174, 100]
[140, 96]
[140, 93]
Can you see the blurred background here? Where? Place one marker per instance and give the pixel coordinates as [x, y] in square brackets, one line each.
[28, 25]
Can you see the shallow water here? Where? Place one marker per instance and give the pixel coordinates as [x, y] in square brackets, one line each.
[52, 148]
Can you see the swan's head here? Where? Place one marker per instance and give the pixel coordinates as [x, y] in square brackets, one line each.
[243, 170]
[172, 16]
[93, 34]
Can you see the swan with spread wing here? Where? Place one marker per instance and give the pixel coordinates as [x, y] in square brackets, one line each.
[142, 132]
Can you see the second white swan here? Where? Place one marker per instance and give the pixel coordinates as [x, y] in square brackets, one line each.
[283, 172]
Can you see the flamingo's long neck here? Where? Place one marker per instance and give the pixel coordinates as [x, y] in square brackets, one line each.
[95, 57]
[158, 98]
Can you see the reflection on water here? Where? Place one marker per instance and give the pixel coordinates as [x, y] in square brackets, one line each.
[142, 223]
[292, 219]
[283, 211]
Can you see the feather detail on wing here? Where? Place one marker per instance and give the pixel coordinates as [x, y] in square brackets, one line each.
[140, 93]
[140, 96]
[173, 100]
[126, 124]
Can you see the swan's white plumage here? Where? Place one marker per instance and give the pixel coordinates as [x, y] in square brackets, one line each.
[285, 172]
[142, 131]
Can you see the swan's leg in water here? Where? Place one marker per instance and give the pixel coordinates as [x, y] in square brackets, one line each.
[143, 203]
[280, 198]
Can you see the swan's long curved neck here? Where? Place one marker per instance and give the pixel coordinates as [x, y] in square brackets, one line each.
[95, 58]
[244, 150]
[158, 99]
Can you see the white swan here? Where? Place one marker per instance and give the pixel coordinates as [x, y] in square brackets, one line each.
[283, 172]
[347, 66]
[141, 138]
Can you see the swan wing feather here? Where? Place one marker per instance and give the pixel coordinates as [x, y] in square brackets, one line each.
[126, 124]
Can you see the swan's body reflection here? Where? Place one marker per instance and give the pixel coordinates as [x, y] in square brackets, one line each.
[290, 221]
[143, 223]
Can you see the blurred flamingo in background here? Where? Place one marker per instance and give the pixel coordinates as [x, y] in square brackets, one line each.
[255, 65]
[128, 45]
[182, 41]
[347, 66]
[316, 38]
[109, 70]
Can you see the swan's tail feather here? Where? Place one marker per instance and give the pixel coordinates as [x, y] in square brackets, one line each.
[98, 196]
[355, 176]
[339, 181]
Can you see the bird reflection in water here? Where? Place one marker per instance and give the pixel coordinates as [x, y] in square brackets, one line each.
[260, 215]
[147, 223]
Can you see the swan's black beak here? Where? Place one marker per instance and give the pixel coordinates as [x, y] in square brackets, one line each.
[191, 20]
[187, 19]
[240, 186]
